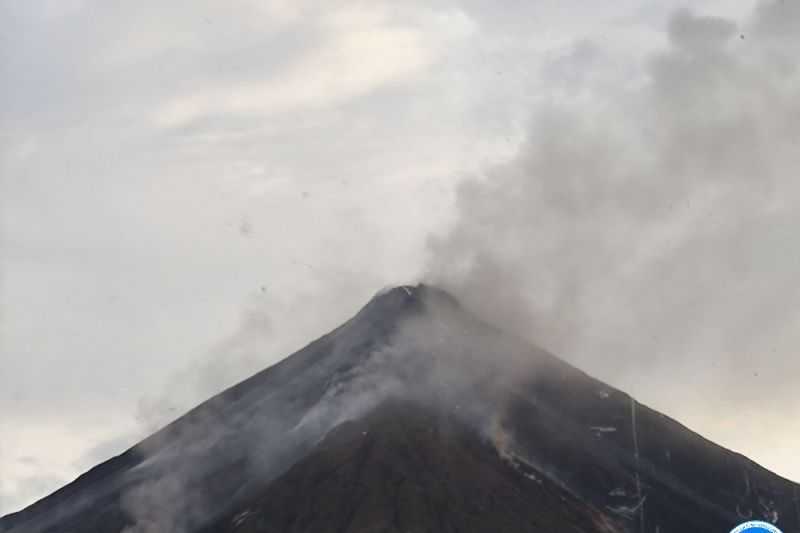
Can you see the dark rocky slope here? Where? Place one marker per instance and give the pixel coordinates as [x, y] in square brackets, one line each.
[405, 469]
[416, 416]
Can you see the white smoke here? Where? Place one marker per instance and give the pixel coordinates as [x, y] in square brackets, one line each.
[647, 230]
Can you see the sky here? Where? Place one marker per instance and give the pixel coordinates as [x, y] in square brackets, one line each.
[191, 191]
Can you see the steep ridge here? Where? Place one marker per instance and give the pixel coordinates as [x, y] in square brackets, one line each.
[405, 468]
[259, 455]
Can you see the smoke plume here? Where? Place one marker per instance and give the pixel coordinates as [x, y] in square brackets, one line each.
[648, 229]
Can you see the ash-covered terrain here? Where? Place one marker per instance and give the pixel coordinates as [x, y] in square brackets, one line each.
[416, 416]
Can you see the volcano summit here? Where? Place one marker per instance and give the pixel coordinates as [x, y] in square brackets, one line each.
[416, 416]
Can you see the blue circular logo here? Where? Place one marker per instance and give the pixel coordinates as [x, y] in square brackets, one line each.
[756, 527]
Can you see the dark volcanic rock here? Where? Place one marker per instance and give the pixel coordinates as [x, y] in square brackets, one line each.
[416, 416]
[405, 469]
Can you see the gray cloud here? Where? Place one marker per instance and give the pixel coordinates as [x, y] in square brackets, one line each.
[27, 489]
[136, 143]
[648, 235]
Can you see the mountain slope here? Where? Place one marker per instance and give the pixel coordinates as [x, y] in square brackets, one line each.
[403, 468]
[457, 415]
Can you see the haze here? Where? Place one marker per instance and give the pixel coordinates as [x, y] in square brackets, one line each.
[191, 191]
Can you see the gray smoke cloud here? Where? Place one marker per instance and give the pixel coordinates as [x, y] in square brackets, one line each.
[648, 232]
[161, 165]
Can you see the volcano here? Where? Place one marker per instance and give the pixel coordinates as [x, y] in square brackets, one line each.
[416, 416]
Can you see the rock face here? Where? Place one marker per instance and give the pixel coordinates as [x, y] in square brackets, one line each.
[415, 416]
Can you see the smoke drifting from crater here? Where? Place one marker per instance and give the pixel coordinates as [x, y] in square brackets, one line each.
[646, 230]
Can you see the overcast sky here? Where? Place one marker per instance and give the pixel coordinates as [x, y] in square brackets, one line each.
[193, 190]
